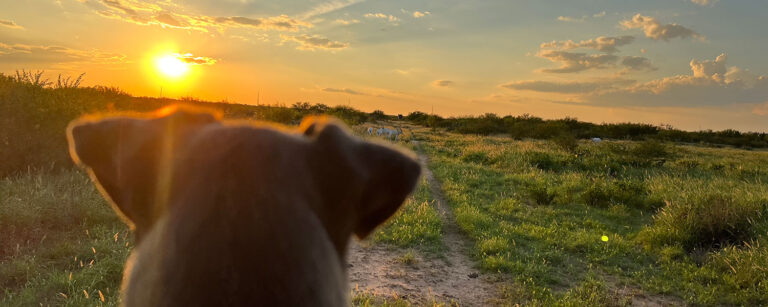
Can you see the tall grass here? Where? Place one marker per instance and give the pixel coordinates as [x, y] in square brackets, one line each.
[60, 238]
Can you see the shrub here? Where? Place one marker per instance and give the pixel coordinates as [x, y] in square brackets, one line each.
[649, 152]
[378, 115]
[566, 141]
[279, 114]
[633, 193]
[596, 195]
[705, 220]
[540, 192]
[546, 161]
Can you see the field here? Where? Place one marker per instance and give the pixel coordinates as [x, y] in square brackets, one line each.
[605, 222]
[494, 220]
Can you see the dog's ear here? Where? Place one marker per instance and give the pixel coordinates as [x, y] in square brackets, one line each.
[131, 158]
[383, 176]
[392, 176]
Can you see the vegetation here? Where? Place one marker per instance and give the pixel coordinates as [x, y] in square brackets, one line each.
[34, 113]
[417, 225]
[527, 126]
[682, 221]
[62, 244]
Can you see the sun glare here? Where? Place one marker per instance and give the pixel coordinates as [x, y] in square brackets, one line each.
[171, 66]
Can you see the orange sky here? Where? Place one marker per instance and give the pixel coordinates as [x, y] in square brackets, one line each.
[656, 61]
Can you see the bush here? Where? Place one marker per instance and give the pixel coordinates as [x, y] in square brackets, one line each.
[546, 161]
[566, 141]
[279, 114]
[707, 220]
[378, 115]
[633, 193]
[540, 192]
[651, 149]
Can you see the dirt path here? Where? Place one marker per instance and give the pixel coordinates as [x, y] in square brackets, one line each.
[450, 279]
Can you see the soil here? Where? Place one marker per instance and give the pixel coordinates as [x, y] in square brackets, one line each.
[450, 278]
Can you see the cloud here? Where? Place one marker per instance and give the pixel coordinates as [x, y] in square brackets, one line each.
[443, 83]
[418, 14]
[282, 23]
[381, 16]
[346, 22]
[705, 2]
[21, 53]
[655, 30]
[711, 83]
[119, 6]
[10, 24]
[707, 68]
[564, 87]
[327, 7]
[761, 109]
[167, 19]
[312, 42]
[575, 61]
[168, 14]
[637, 63]
[569, 19]
[582, 18]
[603, 43]
[344, 90]
[191, 59]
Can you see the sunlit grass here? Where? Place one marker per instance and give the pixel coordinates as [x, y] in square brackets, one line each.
[679, 220]
[417, 224]
[61, 243]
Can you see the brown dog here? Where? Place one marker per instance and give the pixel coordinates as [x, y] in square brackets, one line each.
[239, 214]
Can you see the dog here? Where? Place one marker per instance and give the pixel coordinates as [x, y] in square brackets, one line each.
[236, 213]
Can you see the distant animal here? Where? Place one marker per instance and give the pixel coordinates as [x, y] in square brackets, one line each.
[239, 214]
[370, 130]
[390, 133]
[380, 131]
[597, 140]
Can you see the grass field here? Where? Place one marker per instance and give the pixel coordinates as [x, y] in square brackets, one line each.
[575, 226]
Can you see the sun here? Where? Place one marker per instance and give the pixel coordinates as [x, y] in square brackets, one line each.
[171, 66]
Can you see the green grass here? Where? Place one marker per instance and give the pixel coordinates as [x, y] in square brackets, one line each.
[680, 220]
[416, 225]
[60, 238]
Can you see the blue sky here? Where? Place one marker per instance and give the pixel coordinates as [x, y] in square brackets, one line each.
[695, 64]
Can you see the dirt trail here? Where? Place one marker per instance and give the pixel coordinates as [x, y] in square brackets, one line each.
[451, 279]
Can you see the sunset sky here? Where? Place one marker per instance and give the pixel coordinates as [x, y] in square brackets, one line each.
[694, 64]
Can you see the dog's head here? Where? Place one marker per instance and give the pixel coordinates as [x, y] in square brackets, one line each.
[359, 184]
